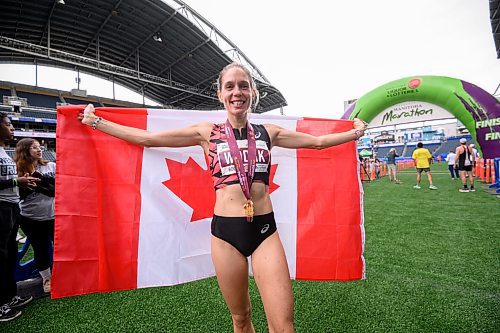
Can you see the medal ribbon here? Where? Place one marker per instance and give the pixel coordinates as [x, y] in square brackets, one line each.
[245, 178]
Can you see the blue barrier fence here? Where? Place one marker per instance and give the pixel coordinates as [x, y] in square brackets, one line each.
[496, 164]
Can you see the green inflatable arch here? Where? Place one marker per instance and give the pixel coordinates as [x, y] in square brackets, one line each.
[475, 108]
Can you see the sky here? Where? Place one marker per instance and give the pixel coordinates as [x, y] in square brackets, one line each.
[322, 53]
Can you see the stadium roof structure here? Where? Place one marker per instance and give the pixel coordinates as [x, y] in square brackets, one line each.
[495, 23]
[162, 49]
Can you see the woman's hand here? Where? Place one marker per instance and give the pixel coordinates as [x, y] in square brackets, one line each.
[359, 124]
[88, 115]
[27, 181]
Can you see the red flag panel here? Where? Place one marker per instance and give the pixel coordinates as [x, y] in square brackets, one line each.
[329, 215]
[98, 180]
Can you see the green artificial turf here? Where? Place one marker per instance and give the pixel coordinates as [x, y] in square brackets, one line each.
[432, 265]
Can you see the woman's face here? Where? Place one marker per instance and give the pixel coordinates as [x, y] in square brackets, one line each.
[35, 150]
[235, 91]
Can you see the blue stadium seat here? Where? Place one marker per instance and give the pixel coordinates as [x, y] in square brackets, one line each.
[452, 143]
[33, 113]
[4, 92]
[45, 101]
[75, 101]
[49, 155]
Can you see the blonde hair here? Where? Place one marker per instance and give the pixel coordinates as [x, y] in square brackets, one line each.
[253, 85]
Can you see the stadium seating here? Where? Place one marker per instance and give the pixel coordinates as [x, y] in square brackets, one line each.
[432, 147]
[45, 101]
[383, 151]
[6, 108]
[452, 143]
[75, 101]
[34, 113]
[4, 92]
[48, 155]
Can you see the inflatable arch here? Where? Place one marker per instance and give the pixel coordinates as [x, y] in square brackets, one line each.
[421, 98]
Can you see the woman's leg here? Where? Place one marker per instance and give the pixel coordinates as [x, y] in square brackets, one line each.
[271, 274]
[37, 232]
[231, 268]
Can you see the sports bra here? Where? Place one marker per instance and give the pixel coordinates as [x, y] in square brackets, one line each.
[220, 160]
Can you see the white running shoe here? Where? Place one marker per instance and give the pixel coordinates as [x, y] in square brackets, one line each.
[46, 285]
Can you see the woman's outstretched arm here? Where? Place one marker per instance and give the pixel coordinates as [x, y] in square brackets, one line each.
[194, 135]
[282, 137]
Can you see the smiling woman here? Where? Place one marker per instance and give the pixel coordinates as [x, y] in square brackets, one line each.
[237, 91]
[243, 225]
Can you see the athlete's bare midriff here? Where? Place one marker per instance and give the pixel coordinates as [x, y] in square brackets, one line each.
[230, 200]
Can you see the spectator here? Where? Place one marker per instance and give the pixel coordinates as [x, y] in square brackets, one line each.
[475, 155]
[377, 165]
[37, 205]
[423, 158]
[465, 159]
[391, 165]
[10, 302]
[452, 167]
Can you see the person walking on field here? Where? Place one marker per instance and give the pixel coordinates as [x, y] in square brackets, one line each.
[243, 206]
[452, 167]
[423, 158]
[391, 165]
[465, 159]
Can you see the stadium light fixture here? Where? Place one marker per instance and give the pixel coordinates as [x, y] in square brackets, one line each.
[157, 37]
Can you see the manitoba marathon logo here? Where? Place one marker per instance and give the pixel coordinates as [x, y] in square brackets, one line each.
[414, 83]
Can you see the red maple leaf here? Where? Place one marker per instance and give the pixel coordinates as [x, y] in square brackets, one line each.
[194, 186]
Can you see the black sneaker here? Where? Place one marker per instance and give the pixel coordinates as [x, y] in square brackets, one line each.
[7, 314]
[18, 302]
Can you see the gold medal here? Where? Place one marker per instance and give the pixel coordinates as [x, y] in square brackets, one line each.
[248, 207]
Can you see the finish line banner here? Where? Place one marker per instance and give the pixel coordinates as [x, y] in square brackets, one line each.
[130, 217]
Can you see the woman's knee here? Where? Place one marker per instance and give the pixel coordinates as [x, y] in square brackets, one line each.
[242, 319]
[283, 324]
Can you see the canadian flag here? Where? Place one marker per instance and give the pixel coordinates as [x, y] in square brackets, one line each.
[130, 217]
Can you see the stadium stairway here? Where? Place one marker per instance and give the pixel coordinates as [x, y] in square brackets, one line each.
[405, 149]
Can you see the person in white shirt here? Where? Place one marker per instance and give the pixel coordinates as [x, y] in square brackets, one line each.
[475, 155]
[450, 158]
